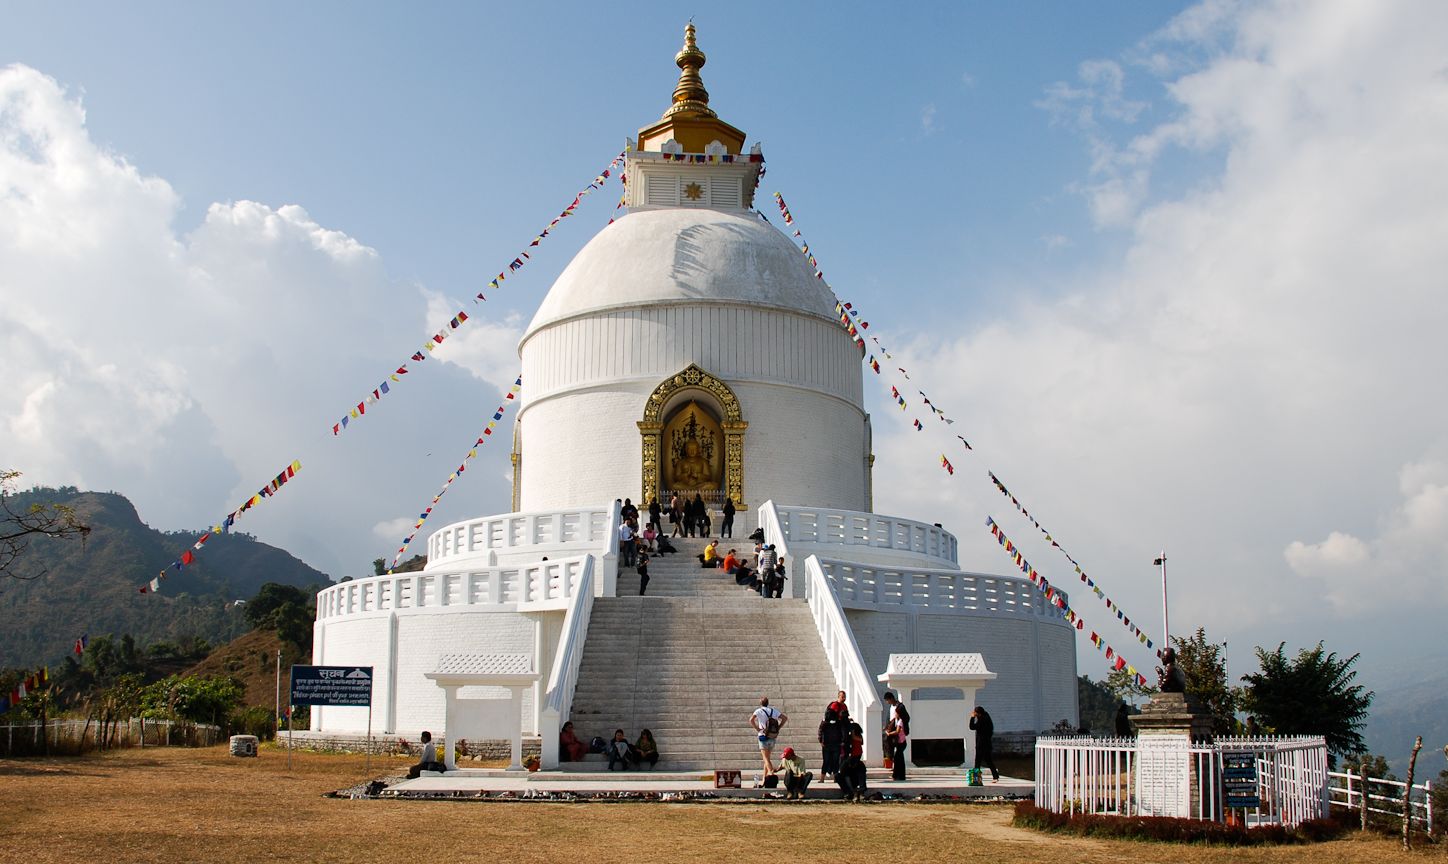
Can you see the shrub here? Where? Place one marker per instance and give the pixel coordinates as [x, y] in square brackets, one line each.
[1162, 828]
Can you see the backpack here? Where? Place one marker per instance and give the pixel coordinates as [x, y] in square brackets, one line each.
[597, 744]
[771, 724]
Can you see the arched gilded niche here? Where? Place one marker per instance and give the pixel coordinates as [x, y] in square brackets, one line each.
[714, 403]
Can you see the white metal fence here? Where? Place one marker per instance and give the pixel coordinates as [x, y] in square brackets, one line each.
[1121, 777]
[1346, 789]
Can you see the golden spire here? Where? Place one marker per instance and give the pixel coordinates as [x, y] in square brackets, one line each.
[690, 97]
[690, 122]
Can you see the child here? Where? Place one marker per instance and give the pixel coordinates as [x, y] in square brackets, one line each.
[643, 573]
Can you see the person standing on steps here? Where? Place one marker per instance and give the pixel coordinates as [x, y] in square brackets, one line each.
[984, 748]
[897, 731]
[767, 722]
[832, 735]
[674, 517]
[655, 512]
[726, 528]
[626, 544]
[643, 573]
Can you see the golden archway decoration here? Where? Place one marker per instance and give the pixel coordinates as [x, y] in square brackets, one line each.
[693, 378]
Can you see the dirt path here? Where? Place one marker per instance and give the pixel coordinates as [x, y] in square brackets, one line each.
[189, 805]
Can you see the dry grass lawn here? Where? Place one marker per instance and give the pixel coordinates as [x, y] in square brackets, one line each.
[201, 805]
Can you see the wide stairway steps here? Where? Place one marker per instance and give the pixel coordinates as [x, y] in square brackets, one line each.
[690, 660]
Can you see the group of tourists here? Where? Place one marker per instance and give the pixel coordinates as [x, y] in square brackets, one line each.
[842, 746]
[690, 518]
[622, 754]
[763, 572]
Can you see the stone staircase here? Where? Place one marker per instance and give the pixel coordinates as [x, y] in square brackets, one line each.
[690, 661]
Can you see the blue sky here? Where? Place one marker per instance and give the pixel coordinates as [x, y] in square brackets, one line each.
[1176, 269]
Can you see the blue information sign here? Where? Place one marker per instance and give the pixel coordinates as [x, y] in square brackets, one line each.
[332, 685]
[1239, 779]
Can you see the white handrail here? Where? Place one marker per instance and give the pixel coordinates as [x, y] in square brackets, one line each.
[534, 586]
[851, 673]
[811, 528]
[563, 678]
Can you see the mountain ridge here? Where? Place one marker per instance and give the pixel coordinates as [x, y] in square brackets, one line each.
[91, 586]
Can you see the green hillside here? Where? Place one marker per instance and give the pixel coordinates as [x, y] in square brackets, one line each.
[91, 586]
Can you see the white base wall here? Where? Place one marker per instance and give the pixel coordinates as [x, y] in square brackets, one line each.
[403, 647]
[1035, 661]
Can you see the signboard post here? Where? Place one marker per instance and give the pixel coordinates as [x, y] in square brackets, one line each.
[1239, 779]
[331, 686]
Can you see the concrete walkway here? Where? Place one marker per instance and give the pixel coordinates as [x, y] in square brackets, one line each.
[552, 785]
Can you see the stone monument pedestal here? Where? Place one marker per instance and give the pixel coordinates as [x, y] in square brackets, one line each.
[1168, 774]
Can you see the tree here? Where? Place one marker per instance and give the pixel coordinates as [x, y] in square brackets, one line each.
[1098, 704]
[20, 523]
[1124, 686]
[1311, 694]
[379, 566]
[1205, 666]
[284, 608]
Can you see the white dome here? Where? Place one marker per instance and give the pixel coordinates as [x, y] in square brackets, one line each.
[681, 255]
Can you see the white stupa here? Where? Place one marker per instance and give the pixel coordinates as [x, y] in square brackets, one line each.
[689, 348]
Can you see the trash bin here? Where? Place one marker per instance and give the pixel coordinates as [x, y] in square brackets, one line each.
[243, 745]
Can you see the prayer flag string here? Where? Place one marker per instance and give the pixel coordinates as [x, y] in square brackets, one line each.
[473, 451]
[854, 324]
[519, 261]
[223, 527]
[1058, 598]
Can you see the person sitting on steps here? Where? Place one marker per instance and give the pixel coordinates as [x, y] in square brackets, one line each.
[647, 749]
[620, 752]
[709, 558]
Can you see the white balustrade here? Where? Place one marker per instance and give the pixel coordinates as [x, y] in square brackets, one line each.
[814, 529]
[529, 587]
[495, 538]
[563, 678]
[851, 673]
[884, 588]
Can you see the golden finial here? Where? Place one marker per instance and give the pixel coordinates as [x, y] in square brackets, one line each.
[690, 97]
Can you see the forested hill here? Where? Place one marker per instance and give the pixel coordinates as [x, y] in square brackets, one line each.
[90, 586]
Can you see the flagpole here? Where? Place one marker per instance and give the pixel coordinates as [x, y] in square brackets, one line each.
[1165, 627]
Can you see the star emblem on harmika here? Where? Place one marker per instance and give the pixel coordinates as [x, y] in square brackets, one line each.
[693, 191]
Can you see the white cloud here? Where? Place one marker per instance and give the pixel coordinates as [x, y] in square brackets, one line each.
[927, 118]
[186, 369]
[1407, 554]
[1263, 358]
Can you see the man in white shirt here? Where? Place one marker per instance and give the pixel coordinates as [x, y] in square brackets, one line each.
[767, 722]
[429, 759]
[625, 545]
